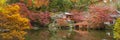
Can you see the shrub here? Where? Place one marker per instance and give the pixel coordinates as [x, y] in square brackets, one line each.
[116, 30]
[12, 25]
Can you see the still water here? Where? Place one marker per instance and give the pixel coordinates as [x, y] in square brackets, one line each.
[45, 34]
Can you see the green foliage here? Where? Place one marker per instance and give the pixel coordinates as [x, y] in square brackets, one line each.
[117, 29]
[55, 5]
[60, 5]
[12, 1]
[118, 5]
[66, 5]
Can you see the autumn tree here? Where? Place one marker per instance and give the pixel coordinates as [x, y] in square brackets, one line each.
[100, 14]
[12, 25]
[116, 29]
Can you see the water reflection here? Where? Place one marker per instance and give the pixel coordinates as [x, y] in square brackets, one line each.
[44, 34]
[92, 35]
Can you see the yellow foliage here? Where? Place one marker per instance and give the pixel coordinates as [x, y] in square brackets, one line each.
[2, 2]
[12, 24]
[39, 3]
[117, 29]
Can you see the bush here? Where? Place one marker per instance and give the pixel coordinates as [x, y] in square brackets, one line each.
[117, 29]
[12, 25]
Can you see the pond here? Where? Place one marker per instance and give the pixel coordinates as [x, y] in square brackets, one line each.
[44, 34]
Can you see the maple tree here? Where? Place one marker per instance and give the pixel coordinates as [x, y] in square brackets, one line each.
[77, 15]
[42, 18]
[100, 14]
[95, 17]
[62, 22]
[12, 24]
[14, 17]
